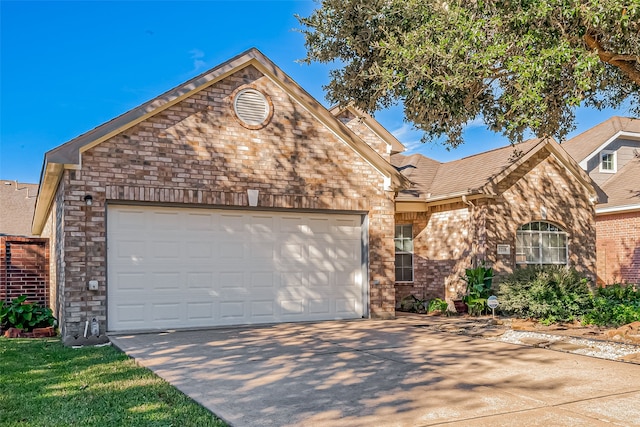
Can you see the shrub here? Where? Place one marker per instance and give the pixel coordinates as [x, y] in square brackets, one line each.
[438, 304]
[478, 288]
[26, 316]
[614, 305]
[550, 293]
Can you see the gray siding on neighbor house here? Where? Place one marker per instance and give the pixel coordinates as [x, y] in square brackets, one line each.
[625, 152]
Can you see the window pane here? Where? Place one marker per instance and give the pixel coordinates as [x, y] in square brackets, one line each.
[408, 245]
[398, 243]
[562, 255]
[547, 255]
[398, 231]
[540, 242]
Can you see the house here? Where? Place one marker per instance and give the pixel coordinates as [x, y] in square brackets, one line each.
[24, 259]
[610, 154]
[509, 207]
[236, 198]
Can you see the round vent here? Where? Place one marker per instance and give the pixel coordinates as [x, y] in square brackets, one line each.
[251, 107]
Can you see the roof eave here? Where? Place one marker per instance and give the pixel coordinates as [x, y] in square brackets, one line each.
[607, 210]
[374, 125]
[49, 180]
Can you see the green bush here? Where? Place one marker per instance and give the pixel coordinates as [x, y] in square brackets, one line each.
[614, 305]
[550, 293]
[26, 316]
[478, 288]
[438, 304]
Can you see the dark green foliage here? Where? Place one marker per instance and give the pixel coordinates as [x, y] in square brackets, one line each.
[521, 66]
[22, 315]
[614, 305]
[552, 294]
[478, 288]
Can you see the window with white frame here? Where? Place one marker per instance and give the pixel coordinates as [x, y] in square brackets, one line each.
[541, 243]
[404, 253]
[608, 161]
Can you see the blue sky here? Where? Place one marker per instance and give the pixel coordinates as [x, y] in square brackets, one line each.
[67, 67]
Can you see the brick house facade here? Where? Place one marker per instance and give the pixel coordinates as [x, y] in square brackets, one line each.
[456, 231]
[193, 151]
[196, 152]
[610, 154]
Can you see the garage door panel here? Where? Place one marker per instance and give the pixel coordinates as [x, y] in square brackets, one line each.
[199, 311]
[199, 280]
[232, 309]
[346, 305]
[129, 281]
[198, 250]
[166, 281]
[199, 222]
[130, 314]
[320, 306]
[182, 267]
[231, 249]
[263, 308]
[165, 312]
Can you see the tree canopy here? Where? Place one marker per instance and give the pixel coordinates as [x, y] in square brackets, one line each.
[520, 65]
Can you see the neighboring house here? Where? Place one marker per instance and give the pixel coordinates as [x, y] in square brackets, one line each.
[24, 259]
[610, 153]
[237, 198]
[509, 207]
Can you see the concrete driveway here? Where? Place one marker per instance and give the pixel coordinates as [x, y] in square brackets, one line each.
[385, 373]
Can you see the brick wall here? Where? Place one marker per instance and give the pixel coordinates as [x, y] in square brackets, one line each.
[24, 269]
[542, 190]
[359, 127]
[197, 153]
[442, 247]
[618, 248]
[452, 237]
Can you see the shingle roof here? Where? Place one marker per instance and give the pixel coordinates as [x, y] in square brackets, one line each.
[581, 146]
[17, 203]
[468, 175]
[623, 189]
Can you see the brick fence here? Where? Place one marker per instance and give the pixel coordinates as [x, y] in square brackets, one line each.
[24, 268]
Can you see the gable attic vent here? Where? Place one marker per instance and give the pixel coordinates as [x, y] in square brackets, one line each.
[251, 107]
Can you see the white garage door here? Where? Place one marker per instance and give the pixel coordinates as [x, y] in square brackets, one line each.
[182, 267]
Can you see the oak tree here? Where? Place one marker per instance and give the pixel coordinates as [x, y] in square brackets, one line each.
[520, 65]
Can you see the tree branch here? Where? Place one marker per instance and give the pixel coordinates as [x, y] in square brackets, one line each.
[626, 66]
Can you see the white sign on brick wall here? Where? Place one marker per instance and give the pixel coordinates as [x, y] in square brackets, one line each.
[504, 249]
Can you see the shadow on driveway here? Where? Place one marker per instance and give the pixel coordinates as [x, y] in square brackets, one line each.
[395, 373]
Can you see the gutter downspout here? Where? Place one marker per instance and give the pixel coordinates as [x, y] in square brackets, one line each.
[472, 229]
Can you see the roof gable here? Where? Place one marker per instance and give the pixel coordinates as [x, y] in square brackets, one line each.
[17, 203]
[589, 143]
[479, 174]
[622, 190]
[69, 154]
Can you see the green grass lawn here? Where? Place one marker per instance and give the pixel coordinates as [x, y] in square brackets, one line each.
[43, 383]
